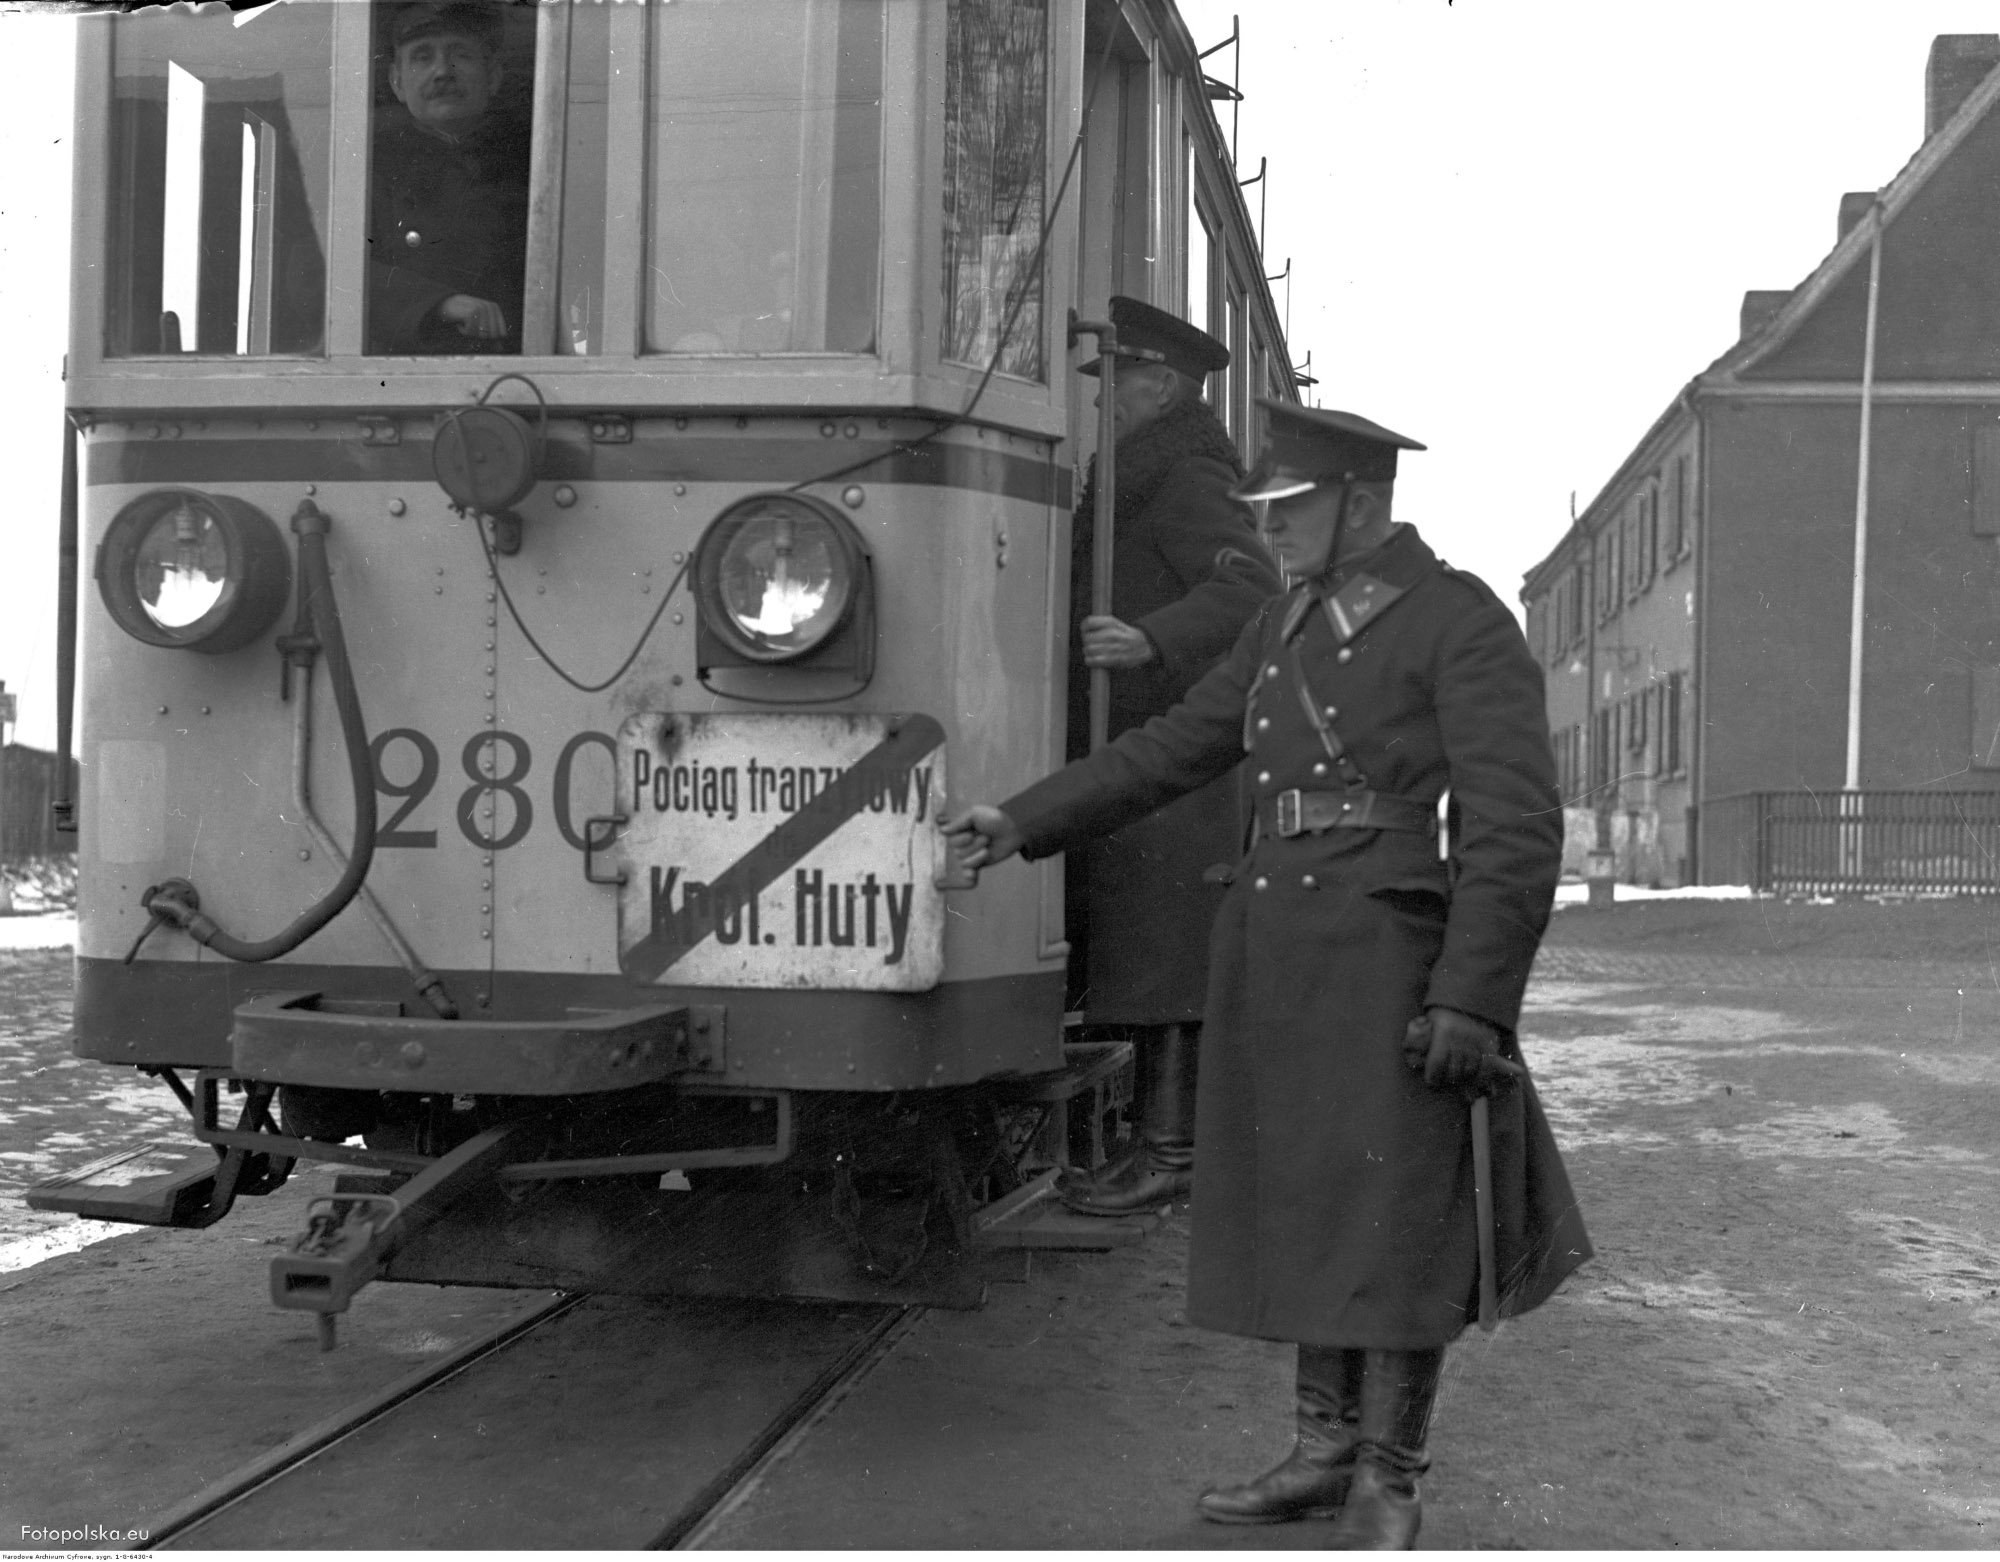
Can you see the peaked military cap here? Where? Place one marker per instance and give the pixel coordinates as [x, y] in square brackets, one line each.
[1307, 446]
[427, 18]
[1149, 335]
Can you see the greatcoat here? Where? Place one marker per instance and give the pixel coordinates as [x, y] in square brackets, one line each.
[1334, 1204]
[445, 217]
[1188, 570]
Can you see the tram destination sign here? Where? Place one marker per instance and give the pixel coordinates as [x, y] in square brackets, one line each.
[781, 850]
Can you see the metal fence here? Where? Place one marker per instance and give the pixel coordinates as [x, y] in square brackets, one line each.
[1845, 843]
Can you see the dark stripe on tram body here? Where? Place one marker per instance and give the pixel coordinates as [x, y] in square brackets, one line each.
[650, 458]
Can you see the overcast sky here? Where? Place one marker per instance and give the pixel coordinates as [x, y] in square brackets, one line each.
[1517, 228]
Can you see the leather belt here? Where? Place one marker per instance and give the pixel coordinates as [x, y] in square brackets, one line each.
[1299, 812]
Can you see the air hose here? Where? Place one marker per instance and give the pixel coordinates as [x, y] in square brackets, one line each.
[318, 631]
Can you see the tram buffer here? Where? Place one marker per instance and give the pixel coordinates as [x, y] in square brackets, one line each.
[1364, 991]
[1187, 573]
[447, 229]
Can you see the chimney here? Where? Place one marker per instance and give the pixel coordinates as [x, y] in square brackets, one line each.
[1760, 307]
[1853, 207]
[1959, 62]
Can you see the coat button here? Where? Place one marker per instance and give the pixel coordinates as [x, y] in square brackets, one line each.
[1346, 655]
[1271, 671]
[1263, 778]
[1263, 723]
[1309, 882]
[1332, 711]
[413, 238]
[1263, 883]
[1320, 768]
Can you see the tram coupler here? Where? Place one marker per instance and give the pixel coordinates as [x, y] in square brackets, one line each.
[350, 1237]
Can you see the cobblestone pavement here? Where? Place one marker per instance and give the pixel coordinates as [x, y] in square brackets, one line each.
[56, 1110]
[1700, 972]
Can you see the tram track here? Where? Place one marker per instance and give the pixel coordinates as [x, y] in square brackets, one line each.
[590, 1422]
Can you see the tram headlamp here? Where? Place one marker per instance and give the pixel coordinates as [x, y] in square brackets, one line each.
[200, 572]
[776, 577]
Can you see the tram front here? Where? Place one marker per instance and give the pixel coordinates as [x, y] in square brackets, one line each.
[569, 492]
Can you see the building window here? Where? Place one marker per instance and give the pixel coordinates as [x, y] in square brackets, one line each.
[1671, 762]
[1683, 541]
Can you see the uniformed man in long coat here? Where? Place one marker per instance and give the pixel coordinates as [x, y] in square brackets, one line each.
[1362, 982]
[448, 208]
[1187, 573]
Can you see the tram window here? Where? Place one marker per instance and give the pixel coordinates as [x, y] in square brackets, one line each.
[995, 140]
[218, 190]
[766, 145]
[448, 182]
[580, 271]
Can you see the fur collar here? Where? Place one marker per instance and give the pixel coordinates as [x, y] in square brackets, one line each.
[1145, 459]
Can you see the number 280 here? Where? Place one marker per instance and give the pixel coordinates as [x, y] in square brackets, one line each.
[496, 763]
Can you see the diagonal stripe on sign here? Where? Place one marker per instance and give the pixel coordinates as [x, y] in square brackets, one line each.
[885, 766]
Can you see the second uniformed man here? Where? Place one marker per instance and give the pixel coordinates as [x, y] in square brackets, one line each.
[1360, 988]
[1187, 573]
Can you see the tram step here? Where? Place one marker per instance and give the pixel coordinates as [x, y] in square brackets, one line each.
[145, 1184]
[1032, 1216]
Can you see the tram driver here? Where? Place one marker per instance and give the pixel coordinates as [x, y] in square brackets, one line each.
[1187, 573]
[448, 209]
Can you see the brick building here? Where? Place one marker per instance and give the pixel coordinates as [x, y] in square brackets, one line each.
[1695, 620]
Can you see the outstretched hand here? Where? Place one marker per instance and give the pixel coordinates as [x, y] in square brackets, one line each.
[980, 836]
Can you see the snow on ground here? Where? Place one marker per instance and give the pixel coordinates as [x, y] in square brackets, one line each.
[50, 930]
[1578, 893]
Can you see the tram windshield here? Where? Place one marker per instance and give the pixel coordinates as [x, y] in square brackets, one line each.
[766, 152]
[448, 185]
[218, 215]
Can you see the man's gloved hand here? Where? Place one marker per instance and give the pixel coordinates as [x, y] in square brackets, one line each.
[1449, 1046]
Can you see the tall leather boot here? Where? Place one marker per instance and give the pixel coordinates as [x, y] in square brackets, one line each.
[1312, 1480]
[1383, 1510]
[1161, 1168]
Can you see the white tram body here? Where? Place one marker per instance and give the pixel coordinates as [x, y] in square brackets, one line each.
[803, 301]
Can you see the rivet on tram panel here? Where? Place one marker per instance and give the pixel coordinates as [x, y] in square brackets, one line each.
[1263, 778]
[413, 1053]
[305, 855]
[680, 423]
[541, 591]
[852, 431]
[826, 431]
[853, 496]
[1262, 883]
[675, 680]
[163, 710]
[1346, 655]
[366, 1053]
[645, 591]
[486, 911]
[486, 862]
[677, 618]
[204, 710]
[312, 427]
[679, 488]
[437, 591]
[312, 488]
[397, 507]
[565, 496]
[489, 596]
[489, 673]
[491, 620]
[440, 569]
[486, 932]
[1309, 882]
[680, 558]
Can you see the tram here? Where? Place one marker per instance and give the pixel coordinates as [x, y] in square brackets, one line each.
[511, 768]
